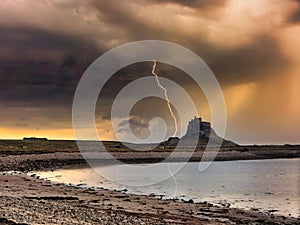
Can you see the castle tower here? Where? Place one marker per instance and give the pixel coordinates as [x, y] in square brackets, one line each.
[197, 128]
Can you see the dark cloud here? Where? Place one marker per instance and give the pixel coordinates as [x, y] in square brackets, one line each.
[295, 16]
[22, 124]
[39, 85]
[129, 74]
[232, 65]
[41, 64]
[25, 116]
[35, 44]
[136, 124]
[194, 3]
[260, 59]
[245, 63]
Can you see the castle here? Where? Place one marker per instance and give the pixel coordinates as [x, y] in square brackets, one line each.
[197, 128]
[199, 131]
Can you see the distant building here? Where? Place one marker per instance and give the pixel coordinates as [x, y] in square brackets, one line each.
[34, 139]
[197, 128]
[198, 132]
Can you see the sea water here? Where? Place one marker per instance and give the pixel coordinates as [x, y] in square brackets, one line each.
[271, 186]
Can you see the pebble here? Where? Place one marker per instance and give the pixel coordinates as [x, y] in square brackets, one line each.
[32, 211]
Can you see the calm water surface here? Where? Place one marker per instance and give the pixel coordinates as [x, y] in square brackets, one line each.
[264, 185]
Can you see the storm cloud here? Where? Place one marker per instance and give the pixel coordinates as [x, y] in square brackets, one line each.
[45, 47]
[295, 16]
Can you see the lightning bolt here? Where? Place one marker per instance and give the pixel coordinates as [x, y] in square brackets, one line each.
[166, 97]
[172, 114]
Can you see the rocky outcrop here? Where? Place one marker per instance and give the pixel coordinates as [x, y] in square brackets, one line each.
[198, 133]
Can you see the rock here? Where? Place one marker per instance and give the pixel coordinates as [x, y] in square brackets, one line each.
[190, 201]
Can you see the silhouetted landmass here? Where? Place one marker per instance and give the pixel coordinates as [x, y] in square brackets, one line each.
[34, 139]
[199, 133]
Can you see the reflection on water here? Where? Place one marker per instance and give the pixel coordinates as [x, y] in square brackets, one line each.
[265, 185]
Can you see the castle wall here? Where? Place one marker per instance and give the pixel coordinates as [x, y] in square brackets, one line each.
[197, 127]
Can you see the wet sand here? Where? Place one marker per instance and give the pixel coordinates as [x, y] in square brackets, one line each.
[29, 200]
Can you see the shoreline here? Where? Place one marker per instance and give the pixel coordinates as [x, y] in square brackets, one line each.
[41, 201]
[29, 200]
